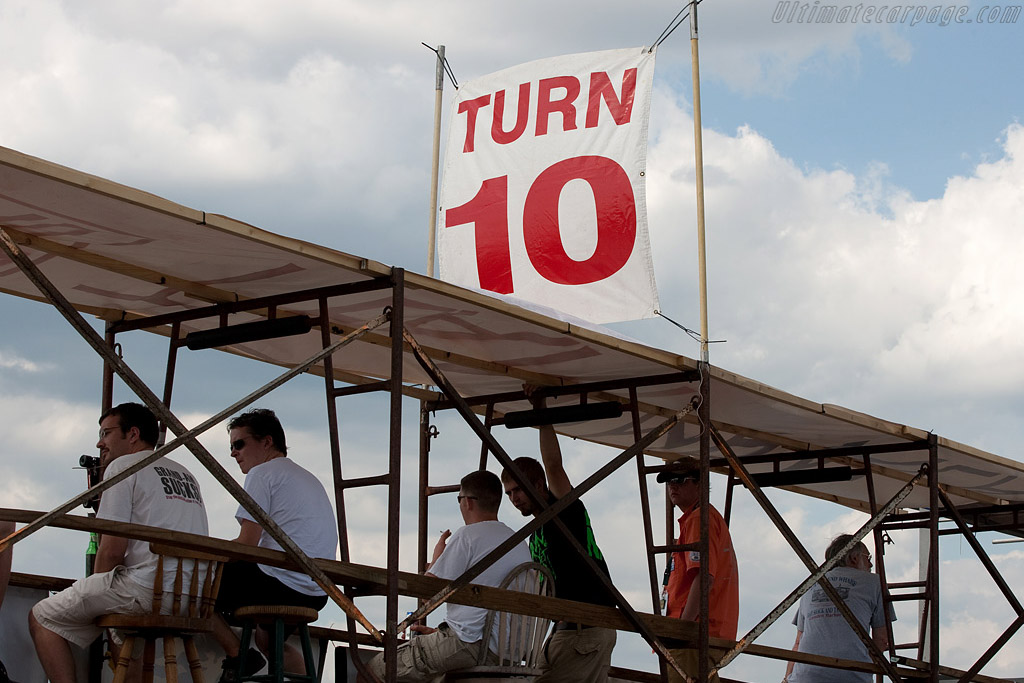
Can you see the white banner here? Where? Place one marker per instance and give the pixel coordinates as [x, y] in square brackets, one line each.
[543, 188]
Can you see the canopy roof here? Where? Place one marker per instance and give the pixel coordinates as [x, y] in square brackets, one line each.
[120, 253]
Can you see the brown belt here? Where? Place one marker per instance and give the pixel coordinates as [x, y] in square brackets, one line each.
[566, 625]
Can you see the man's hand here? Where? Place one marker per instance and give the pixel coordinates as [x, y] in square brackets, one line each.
[440, 545]
[537, 400]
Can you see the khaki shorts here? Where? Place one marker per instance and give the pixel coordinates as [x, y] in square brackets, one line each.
[577, 656]
[71, 613]
[429, 656]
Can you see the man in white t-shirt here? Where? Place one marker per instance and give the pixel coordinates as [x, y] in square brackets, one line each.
[163, 494]
[297, 502]
[456, 643]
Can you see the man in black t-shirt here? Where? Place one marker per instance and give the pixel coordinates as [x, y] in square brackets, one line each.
[573, 653]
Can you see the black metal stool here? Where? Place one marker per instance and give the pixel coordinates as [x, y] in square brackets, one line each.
[281, 616]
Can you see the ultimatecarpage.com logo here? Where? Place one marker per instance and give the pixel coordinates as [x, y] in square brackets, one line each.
[793, 12]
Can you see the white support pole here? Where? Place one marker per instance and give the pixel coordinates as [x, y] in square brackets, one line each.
[432, 223]
[698, 153]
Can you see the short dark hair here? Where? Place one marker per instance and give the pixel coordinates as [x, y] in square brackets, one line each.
[485, 487]
[533, 470]
[261, 422]
[135, 415]
[837, 544]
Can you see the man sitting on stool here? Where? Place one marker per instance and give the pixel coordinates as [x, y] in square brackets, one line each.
[295, 499]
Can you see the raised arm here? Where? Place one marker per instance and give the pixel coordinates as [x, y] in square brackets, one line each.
[550, 451]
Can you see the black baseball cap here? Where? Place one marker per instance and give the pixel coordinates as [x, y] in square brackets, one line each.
[679, 470]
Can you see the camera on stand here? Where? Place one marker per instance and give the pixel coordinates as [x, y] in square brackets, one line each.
[93, 472]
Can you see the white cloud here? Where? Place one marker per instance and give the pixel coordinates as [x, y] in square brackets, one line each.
[892, 299]
[12, 361]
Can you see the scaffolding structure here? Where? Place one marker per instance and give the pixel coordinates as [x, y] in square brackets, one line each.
[86, 245]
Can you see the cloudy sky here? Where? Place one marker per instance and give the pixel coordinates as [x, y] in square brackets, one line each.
[865, 194]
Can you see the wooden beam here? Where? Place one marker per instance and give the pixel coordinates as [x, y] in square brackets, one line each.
[49, 583]
[78, 255]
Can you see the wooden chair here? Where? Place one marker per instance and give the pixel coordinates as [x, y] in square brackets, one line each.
[520, 638]
[182, 612]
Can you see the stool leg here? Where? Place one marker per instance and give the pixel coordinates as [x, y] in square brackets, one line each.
[279, 650]
[124, 659]
[170, 660]
[192, 654]
[307, 653]
[148, 655]
[243, 649]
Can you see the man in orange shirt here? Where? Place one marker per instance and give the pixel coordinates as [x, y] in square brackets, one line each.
[684, 581]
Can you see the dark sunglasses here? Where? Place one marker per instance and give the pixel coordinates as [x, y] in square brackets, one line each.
[238, 444]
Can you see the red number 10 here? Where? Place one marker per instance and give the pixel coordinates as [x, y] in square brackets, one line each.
[616, 224]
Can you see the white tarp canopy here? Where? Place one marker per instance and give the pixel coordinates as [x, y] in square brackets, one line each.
[117, 252]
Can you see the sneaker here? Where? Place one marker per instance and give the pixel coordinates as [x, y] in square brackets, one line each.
[254, 661]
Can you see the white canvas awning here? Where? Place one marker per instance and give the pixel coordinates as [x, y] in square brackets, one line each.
[120, 253]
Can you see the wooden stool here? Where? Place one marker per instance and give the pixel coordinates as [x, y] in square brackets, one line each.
[280, 616]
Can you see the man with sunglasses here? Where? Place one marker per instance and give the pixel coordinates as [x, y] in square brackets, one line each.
[682, 478]
[297, 502]
[162, 494]
[457, 641]
[822, 629]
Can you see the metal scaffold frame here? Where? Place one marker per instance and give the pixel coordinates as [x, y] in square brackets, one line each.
[403, 345]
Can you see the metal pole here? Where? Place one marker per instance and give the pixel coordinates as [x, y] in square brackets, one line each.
[107, 400]
[933, 558]
[421, 494]
[698, 154]
[645, 504]
[645, 509]
[432, 223]
[488, 425]
[394, 474]
[334, 435]
[879, 536]
[704, 545]
[172, 364]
